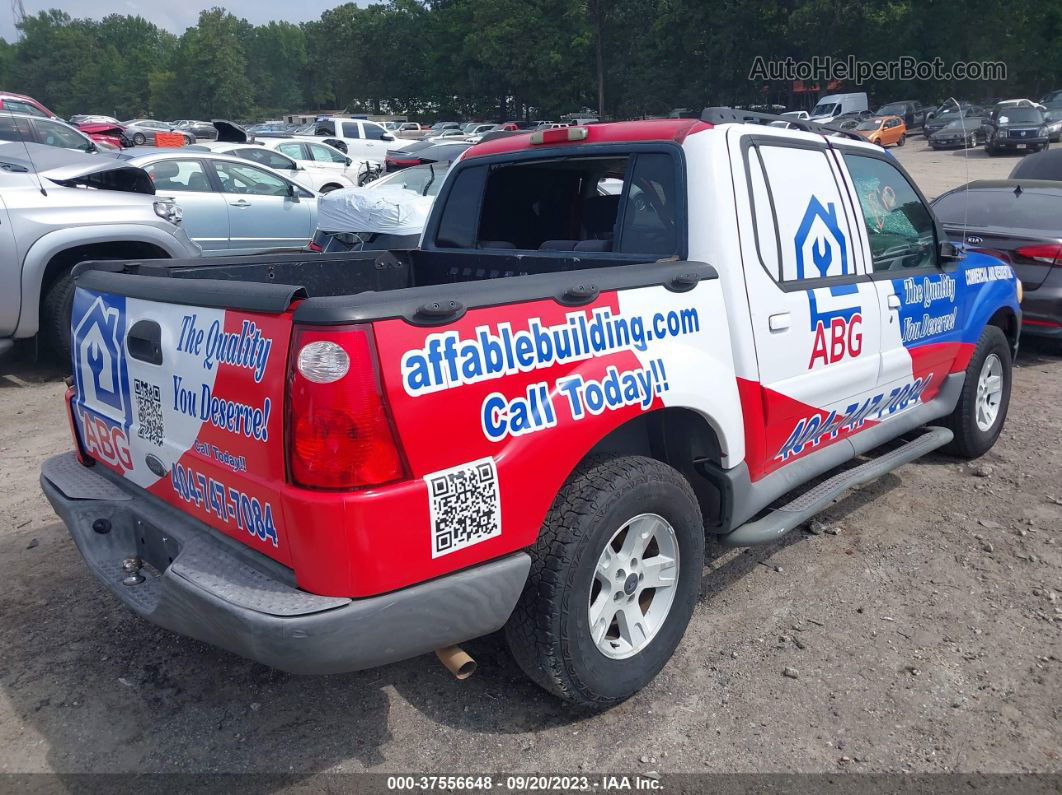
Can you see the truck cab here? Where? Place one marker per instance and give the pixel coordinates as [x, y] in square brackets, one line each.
[613, 341]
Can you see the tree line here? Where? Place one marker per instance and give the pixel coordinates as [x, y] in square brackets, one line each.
[499, 59]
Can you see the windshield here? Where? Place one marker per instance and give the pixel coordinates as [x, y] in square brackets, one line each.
[958, 124]
[873, 124]
[1020, 116]
[826, 109]
[895, 109]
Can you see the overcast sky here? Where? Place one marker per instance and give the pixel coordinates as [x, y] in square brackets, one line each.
[173, 16]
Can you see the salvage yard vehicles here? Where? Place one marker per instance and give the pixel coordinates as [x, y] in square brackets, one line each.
[911, 111]
[962, 132]
[531, 421]
[91, 207]
[230, 205]
[49, 132]
[144, 132]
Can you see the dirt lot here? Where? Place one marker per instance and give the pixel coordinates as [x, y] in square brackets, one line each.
[924, 627]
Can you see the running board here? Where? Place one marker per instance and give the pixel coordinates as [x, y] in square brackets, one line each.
[790, 516]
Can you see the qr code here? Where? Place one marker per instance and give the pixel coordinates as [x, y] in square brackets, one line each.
[465, 508]
[149, 412]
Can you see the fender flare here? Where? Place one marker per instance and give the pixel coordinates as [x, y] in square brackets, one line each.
[47, 246]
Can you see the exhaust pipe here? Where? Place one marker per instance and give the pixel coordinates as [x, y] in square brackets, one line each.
[457, 661]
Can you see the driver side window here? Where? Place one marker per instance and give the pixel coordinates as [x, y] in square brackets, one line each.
[899, 226]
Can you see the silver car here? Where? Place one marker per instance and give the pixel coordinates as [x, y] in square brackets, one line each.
[143, 131]
[59, 208]
[230, 205]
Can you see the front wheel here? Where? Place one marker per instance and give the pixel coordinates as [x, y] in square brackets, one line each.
[982, 408]
[615, 575]
[139, 139]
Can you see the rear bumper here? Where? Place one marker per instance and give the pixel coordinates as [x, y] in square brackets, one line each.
[211, 588]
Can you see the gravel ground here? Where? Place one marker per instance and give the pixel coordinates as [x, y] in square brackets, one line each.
[919, 628]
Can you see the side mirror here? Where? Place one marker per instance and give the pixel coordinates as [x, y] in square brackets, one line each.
[948, 252]
[292, 193]
[387, 137]
[348, 161]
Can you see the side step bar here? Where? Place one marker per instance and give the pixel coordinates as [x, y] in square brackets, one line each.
[790, 516]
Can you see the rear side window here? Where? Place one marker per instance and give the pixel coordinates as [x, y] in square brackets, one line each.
[900, 227]
[626, 204]
[803, 231]
[1001, 207]
[179, 175]
[350, 130]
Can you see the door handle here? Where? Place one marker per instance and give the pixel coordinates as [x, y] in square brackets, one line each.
[893, 301]
[241, 203]
[779, 322]
[144, 341]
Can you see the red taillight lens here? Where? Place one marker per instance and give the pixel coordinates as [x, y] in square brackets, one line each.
[340, 434]
[314, 246]
[1047, 254]
[559, 135]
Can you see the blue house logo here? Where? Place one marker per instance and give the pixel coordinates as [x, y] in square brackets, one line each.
[822, 251]
[817, 239]
[98, 362]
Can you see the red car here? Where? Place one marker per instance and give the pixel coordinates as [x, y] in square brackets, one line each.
[19, 103]
[113, 134]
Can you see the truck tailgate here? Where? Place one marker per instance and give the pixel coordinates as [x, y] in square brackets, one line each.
[187, 402]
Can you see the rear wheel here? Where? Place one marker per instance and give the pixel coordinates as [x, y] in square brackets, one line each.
[614, 578]
[903, 139]
[55, 316]
[139, 139]
[982, 408]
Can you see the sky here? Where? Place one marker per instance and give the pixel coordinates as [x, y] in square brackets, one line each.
[173, 16]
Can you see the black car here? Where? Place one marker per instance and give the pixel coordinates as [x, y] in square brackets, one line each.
[414, 155]
[911, 111]
[942, 120]
[963, 132]
[1016, 129]
[1019, 220]
[200, 129]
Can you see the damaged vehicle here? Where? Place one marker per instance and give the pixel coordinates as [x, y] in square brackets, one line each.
[59, 208]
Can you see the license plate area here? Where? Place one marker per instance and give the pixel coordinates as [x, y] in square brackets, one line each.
[154, 546]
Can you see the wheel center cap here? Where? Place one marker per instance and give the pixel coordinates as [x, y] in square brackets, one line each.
[630, 584]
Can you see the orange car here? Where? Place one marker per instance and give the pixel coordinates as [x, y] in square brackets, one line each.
[883, 130]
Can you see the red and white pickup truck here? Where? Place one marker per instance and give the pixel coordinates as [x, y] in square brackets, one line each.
[612, 341]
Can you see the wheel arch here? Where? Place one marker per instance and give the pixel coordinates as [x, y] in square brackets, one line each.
[1007, 321]
[52, 254]
[682, 438]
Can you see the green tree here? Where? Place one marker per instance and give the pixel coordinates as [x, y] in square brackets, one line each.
[211, 69]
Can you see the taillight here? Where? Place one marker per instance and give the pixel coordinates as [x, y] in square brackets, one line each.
[1046, 254]
[340, 434]
[314, 246]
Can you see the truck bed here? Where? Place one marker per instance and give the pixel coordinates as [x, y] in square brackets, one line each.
[358, 286]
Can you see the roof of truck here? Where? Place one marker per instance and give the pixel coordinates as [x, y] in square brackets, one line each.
[613, 132]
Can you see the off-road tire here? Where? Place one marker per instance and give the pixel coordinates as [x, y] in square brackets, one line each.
[970, 441]
[548, 632]
[55, 317]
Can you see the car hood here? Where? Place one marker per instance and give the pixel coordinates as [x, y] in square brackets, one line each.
[72, 169]
[229, 132]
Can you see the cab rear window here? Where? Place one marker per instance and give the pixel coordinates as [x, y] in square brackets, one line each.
[625, 204]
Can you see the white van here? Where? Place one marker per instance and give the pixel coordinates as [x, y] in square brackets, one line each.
[833, 105]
